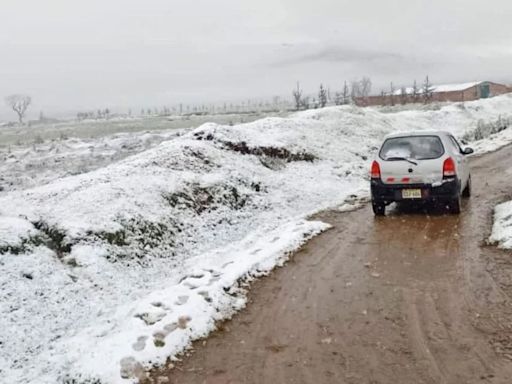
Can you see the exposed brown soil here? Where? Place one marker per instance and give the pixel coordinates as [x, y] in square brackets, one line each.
[409, 298]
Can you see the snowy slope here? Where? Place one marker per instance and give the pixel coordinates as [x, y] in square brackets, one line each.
[106, 272]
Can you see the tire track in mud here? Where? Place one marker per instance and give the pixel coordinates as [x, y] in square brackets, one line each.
[412, 297]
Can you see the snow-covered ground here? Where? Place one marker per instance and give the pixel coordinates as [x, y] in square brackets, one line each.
[502, 228]
[24, 166]
[35, 131]
[107, 272]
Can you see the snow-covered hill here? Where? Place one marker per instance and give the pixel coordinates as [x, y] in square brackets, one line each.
[107, 272]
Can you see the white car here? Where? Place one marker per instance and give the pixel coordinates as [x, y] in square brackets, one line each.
[420, 166]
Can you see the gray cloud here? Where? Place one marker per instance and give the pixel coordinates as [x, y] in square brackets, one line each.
[336, 55]
[82, 54]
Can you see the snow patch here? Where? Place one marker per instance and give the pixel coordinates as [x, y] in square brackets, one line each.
[502, 227]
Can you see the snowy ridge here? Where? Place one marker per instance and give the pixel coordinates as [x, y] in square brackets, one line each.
[107, 272]
[502, 228]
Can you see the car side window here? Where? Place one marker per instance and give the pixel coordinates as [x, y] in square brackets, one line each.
[456, 144]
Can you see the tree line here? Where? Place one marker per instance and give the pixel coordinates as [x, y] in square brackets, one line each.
[414, 94]
[358, 92]
[347, 95]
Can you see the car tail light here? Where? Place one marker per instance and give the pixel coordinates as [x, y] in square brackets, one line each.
[375, 172]
[449, 168]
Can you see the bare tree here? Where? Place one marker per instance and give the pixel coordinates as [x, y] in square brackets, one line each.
[392, 93]
[403, 95]
[366, 87]
[276, 101]
[297, 97]
[415, 92]
[19, 104]
[322, 96]
[428, 90]
[338, 98]
[355, 90]
[304, 102]
[345, 93]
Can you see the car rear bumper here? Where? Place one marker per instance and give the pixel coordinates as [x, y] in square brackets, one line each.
[388, 193]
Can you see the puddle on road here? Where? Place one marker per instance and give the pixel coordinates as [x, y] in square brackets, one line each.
[416, 247]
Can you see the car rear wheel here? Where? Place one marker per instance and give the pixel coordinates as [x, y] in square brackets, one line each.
[467, 190]
[455, 205]
[379, 209]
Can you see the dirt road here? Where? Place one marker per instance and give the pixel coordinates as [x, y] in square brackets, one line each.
[409, 298]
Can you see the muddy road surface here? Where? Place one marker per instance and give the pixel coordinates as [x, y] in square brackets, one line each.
[414, 297]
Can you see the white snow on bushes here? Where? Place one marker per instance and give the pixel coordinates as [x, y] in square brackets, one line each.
[13, 231]
[111, 271]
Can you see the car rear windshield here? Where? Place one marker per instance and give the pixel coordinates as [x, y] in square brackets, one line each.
[412, 147]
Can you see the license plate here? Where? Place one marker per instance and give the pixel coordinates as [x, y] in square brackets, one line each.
[411, 193]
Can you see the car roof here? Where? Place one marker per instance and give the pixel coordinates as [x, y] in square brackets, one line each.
[417, 133]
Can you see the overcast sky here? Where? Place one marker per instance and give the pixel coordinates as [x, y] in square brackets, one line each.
[84, 54]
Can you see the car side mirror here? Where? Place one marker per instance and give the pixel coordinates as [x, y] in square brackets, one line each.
[467, 151]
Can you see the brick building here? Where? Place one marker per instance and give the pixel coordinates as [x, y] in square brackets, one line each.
[440, 93]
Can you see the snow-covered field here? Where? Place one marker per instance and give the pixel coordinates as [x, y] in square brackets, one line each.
[36, 131]
[104, 273]
[24, 166]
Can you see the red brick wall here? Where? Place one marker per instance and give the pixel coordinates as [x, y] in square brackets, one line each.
[371, 101]
[472, 93]
[499, 89]
[456, 96]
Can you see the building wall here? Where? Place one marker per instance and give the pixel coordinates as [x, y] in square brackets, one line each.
[472, 93]
[371, 101]
[499, 89]
[456, 96]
